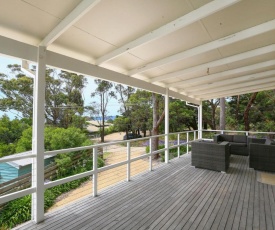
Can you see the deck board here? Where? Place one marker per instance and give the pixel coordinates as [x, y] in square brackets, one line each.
[174, 196]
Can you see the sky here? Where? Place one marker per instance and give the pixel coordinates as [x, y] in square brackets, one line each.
[113, 106]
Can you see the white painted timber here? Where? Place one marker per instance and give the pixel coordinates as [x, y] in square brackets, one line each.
[167, 126]
[79, 11]
[239, 36]
[224, 74]
[240, 91]
[171, 27]
[217, 63]
[233, 81]
[38, 137]
[232, 87]
[16, 195]
[95, 175]
[28, 52]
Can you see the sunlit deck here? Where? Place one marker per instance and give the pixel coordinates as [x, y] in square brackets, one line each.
[174, 196]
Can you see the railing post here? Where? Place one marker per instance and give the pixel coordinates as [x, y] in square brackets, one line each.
[95, 175]
[187, 146]
[151, 156]
[128, 160]
[221, 131]
[167, 126]
[178, 145]
[246, 133]
[194, 135]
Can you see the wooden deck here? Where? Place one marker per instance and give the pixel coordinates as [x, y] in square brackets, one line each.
[175, 196]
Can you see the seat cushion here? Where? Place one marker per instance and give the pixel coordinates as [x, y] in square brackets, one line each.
[240, 139]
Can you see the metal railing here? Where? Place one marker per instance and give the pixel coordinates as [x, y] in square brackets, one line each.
[95, 171]
[189, 136]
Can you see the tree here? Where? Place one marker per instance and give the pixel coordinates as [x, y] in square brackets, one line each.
[209, 112]
[247, 110]
[157, 119]
[63, 96]
[105, 93]
[140, 104]
[182, 116]
[222, 113]
[10, 132]
[124, 93]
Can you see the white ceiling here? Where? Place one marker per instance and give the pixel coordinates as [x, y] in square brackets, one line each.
[199, 49]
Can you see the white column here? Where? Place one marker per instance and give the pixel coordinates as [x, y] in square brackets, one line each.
[200, 121]
[167, 125]
[38, 137]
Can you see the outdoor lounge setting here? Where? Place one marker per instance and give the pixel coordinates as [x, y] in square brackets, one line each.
[190, 50]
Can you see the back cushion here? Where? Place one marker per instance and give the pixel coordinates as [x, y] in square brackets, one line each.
[225, 137]
[239, 139]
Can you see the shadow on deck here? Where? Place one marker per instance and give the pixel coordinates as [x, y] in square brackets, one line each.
[174, 196]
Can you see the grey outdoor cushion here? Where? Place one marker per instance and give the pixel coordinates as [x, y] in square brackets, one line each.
[225, 137]
[239, 139]
[238, 144]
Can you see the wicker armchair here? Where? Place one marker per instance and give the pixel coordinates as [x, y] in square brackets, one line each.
[262, 156]
[210, 155]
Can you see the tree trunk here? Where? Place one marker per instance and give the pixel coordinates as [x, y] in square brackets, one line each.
[222, 113]
[237, 108]
[156, 123]
[247, 110]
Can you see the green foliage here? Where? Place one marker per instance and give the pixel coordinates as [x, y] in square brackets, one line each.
[64, 104]
[10, 133]
[15, 212]
[111, 129]
[172, 152]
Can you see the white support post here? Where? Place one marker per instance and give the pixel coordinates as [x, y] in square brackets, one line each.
[128, 160]
[246, 133]
[200, 121]
[178, 145]
[187, 146]
[167, 126]
[95, 171]
[151, 156]
[38, 137]
[195, 136]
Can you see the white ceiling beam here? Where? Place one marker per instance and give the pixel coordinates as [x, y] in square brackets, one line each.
[245, 91]
[217, 63]
[28, 52]
[221, 75]
[234, 86]
[239, 91]
[252, 77]
[79, 11]
[239, 36]
[171, 27]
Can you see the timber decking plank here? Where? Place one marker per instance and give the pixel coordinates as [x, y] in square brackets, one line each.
[211, 212]
[237, 203]
[147, 215]
[272, 204]
[214, 220]
[245, 209]
[159, 195]
[174, 196]
[262, 207]
[268, 217]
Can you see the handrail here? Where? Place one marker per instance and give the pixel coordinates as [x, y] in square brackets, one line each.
[96, 170]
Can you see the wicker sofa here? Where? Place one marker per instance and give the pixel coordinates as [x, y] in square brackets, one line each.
[262, 155]
[210, 155]
[238, 143]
